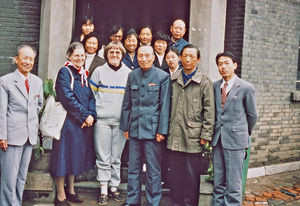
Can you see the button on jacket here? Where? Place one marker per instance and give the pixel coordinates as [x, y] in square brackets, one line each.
[146, 103]
[192, 113]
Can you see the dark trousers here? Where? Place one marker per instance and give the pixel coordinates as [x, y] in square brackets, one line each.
[149, 151]
[185, 178]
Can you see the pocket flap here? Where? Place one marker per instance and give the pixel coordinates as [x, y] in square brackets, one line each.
[239, 128]
[134, 87]
[153, 88]
[194, 124]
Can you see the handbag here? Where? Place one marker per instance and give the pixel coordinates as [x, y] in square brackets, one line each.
[54, 115]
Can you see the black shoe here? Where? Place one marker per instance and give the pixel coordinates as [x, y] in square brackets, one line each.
[74, 198]
[57, 202]
[103, 199]
[115, 195]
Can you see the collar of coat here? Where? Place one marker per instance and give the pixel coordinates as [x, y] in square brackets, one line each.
[177, 76]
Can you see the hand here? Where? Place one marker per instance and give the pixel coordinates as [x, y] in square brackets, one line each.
[89, 121]
[3, 144]
[203, 141]
[159, 137]
[83, 125]
[126, 135]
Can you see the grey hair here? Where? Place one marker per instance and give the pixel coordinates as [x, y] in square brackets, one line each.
[24, 46]
[72, 47]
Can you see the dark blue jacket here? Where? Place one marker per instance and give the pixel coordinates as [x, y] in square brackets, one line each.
[178, 44]
[146, 103]
[129, 63]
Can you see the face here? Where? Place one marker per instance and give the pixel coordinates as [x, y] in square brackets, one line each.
[145, 36]
[189, 59]
[226, 67]
[130, 43]
[178, 29]
[77, 57]
[117, 37]
[87, 28]
[25, 60]
[145, 57]
[172, 59]
[91, 45]
[114, 56]
[160, 46]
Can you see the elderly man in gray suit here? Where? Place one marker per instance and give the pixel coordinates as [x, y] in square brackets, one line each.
[21, 98]
[236, 116]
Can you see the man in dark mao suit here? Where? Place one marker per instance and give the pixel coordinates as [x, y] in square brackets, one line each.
[236, 116]
[21, 99]
[145, 119]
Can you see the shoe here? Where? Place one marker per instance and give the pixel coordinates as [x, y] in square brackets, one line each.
[57, 202]
[74, 198]
[103, 199]
[115, 195]
[125, 204]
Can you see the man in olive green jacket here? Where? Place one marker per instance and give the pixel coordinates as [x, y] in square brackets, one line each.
[191, 126]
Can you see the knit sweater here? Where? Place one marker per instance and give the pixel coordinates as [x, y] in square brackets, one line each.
[109, 86]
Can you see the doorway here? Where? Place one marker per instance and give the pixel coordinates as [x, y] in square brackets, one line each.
[132, 14]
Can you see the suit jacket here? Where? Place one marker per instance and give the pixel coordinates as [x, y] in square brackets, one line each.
[234, 122]
[164, 66]
[129, 63]
[97, 62]
[19, 110]
[146, 103]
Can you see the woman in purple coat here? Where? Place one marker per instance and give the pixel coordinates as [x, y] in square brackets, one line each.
[74, 153]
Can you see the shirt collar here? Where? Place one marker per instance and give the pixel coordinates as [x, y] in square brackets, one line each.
[146, 73]
[171, 73]
[230, 83]
[22, 75]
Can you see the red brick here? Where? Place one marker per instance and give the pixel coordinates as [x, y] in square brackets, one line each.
[250, 198]
[261, 199]
[268, 194]
[246, 203]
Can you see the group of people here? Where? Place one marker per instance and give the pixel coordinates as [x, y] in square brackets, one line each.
[155, 97]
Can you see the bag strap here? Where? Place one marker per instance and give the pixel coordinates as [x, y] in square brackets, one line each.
[72, 79]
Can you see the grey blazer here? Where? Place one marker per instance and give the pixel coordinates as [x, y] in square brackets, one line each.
[234, 122]
[19, 110]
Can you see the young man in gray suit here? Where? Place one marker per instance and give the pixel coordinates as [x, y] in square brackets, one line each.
[21, 99]
[236, 116]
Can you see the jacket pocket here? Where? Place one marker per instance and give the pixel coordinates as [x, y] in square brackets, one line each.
[194, 129]
[134, 90]
[239, 128]
[153, 92]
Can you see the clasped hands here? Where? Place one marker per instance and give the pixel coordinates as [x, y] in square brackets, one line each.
[88, 122]
[159, 137]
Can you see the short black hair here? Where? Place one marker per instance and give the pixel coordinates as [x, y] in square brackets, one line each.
[161, 36]
[173, 49]
[131, 32]
[191, 46]
[86, 19]
[90, 35]
[115, 29]
[144, 27]
[226, 54]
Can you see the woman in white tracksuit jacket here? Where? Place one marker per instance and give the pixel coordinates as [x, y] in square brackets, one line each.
[108, 83]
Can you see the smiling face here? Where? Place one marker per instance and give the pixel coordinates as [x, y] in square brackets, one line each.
[189, 59]
[91, 45]
[77, 57]
[25, 60]
[160, 46]
[145, 36]
[172, 60]
[131, 43]
[226, 67]
[145, 57]
[114, 56]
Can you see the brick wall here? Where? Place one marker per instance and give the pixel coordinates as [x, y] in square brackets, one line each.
[234, 29]
[269, 61]
[20, 24]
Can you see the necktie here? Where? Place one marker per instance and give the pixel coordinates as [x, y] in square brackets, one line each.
[224, 95]
[27, 84]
